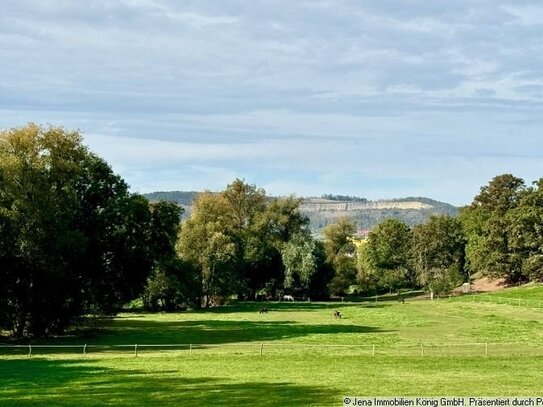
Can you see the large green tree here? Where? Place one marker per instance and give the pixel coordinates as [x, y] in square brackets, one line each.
[279, 225]
[73, 239]
[173, 283]
[386, 255]
[299, 260]
[525, 231]
[237, 239]
[487, 228]
[319, 284]
[437, 253]
[206, 241]
[341, 254]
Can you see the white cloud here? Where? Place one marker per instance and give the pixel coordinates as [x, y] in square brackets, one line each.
[312, 95]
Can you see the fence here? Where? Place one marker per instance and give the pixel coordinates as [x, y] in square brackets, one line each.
[486, 349]
[535, 304]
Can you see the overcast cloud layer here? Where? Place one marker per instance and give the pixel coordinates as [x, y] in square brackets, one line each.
[372, 98]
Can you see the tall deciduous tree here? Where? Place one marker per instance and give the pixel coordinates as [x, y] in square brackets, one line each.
[386, 254]
[341, 254]
[437, 253]
[299, 260]
[272, 229]
[73, 241]
[206, 241]
[236, 239]
[525, 230]
[173, 284]
[487, 229]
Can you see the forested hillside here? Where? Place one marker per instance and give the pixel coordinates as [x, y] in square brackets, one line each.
[329, 208]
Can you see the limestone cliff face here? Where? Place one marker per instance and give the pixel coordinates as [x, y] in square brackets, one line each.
[366, 214]
[360, 206]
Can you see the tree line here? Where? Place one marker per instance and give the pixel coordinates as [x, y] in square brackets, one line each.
[240, 242]
[500, 235]
[74, 241]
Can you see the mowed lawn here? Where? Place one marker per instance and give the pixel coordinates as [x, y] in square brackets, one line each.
[295, 368]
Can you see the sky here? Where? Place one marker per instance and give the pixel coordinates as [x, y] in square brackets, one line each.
[379, 99]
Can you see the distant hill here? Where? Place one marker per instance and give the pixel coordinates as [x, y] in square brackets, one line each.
[326, 209]
[412, 210]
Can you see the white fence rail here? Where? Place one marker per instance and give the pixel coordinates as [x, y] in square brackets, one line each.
[486, 349]
[535, 304]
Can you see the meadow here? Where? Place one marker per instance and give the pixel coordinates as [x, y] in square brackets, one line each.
[242, 357]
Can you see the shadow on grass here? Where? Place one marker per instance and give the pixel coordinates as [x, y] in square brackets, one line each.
[132, 329]
[219, 331]
[127, 331]
[69, 383]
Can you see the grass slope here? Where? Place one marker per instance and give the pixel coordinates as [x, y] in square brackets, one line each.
[527, 292]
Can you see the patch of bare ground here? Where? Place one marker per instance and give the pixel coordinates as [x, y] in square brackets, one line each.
[486, 284]
[483, 285]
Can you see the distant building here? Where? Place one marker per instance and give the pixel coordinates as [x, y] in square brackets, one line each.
[362, 234]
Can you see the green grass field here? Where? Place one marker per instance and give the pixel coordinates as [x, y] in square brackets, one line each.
[294, 367]
[529, 296]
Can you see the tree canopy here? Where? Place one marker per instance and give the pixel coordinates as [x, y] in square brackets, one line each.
[73, 240]
[438, 253]
[386, 255]
[488, 223]
[242, 243]
[340, 254]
